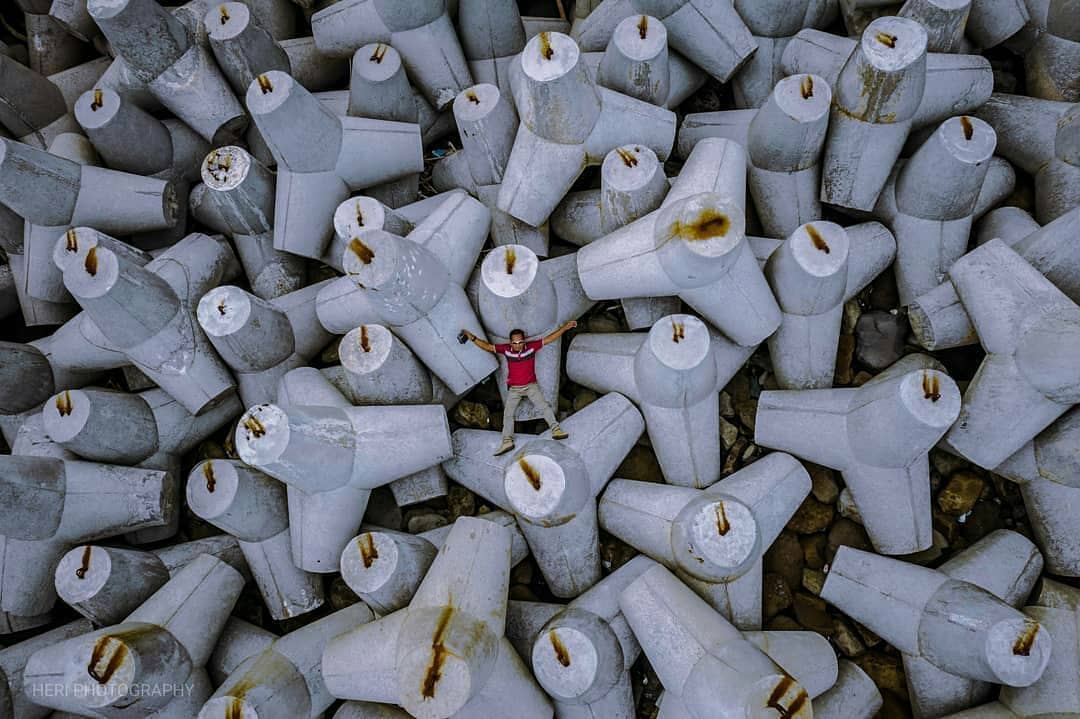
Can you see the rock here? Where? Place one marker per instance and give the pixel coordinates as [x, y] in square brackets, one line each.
[783, 623]
[472, 414]
[946, 463]
[603, 324]
[417, 521]
[640, 464]
[984, 518]
[885, 669]
[747, 411]
[785, 557]
[883, 294]
[893, 707]
[852, 312]
[825, 488]
[461, 502]
[583, 398]
[861, 378]
[731, 461]
[813, 580]
[811, 612]
[382, 510]
[961, 492]
[845, 352]
[947, 525]
[776, 596]
[814, 547]
[846, 533]
[522, 593]
[522, 573]
[341, 595]
[929, 555]
[846, 506]
[727, 407]
[614, 552]
[729, 434]
[847, 639]
[330, 354]
[811, 516]
[879, 339]
[739, 386]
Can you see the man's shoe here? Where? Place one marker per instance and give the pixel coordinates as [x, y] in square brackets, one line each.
[557, 433]
[506, 446]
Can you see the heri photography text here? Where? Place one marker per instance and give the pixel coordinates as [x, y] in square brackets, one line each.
[135, 691]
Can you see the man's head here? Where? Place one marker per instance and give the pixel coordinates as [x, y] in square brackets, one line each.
[517, 339]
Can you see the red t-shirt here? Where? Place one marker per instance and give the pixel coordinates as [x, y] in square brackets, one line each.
[521, 366]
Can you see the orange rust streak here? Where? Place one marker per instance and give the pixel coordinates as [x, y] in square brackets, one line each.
[969, 129]
[378, 55]
[255, 427]
[1022, 647]
[931, 387]
[643, 27]
[530, 473]
[511, 259]
[99, 100]
[364, 344]
[817, 239]
[208, 472]
[81, 571]
[545, 46]
[115, 659]
[807, 87]
[71, 243]
[560, 649]
[678, 331]
[224, 14]
[438, 654]
[91, 262]
[628, 158]
[886, 39]
[778, 693]
[722, 523]
[264, 84]
[365, 253]
[368, 552]
[708, 224]
[63, 403]
[471, 97]
[235, 708]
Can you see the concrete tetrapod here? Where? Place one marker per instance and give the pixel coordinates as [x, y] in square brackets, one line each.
[1006, 565]
[362, 380]
[636, 61]
[330, 454]
[711, 34]
[55, 504]
[854, 696]
[105, 584]
[581, 653]
[878, 436]
[143, 314]
[238, 641]
[673, 374]
[929, 202]
[632, 184]
[693, 246]
[487, 122]
[805, 656]
[819, 268]
[867, 129]
[178, 69]
[285, 679]
[516, 290]
[15, 704]
[261, 340]
[34, 111]
[1040, 137]
[242, 45]
[416, 289]
[1027, 326]
[1044, 469]
[713, 539]
[704, 662]
[240, 191]
[552, 148]
[938, 317]
[252, 507]
[1052, 61]
[773, 23]
[384, 567]
[319, 153]
[445, 654]
[955, 625]
[162, 646]
[421, 31]
[551, 486]
[491, 34]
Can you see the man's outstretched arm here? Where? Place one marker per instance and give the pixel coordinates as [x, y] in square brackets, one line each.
[479, 342]
[559, 332]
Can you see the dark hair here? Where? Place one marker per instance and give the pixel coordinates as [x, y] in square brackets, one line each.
[517, 331]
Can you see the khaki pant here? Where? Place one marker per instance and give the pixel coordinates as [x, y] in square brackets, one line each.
[514, 395]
